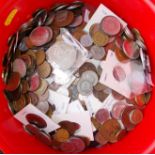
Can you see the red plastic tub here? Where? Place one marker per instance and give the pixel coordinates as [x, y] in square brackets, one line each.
[139, 14]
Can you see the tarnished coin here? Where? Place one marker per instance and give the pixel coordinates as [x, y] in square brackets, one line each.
[131, 49]
[91, 76]
[13, 82]
[86, 40]
[71, 127]
[20, 103]
[34, 99]
[63, 18]
[110, 25]
[36, 120]
[87, 66]
[84, 87]
[19, 66]
[78, 34]
[77, 21]
[32, 54]
[119, 73]
[43, 86]
[118, 109]
[102, 115]
[43, 106]
[44, 70]
[61, 135]
[100, 39]
[98, 52]
[40, 57]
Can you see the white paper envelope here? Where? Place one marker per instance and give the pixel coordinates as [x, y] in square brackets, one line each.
[20, 116]
[82, 118]
[101, 12]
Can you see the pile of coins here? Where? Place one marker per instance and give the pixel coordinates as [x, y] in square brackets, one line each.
[28, 75]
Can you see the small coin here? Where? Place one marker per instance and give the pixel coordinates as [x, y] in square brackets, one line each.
[45, 96]
[96, 124]
[90, 76]
[20, 103]
[36, 120]
[63, 18]
[13, 82]
[43, 106]
[19, 66]
[61, 135]
[102, 115]
[84, 87]
[98, 53]
[86, 66]
[44, 70]
[94, 28]
[131, 49]
[33, 98]
[119, 73]
[43, 86]
[100, 39]
[118, 109]
[40, 57]
[110, 25]
[136, 116]
[86, 40]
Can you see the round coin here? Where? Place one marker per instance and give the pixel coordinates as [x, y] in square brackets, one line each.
[119, 73]
[43, 106]
[86, 40]
[33, 98]
[40, 57]
[77, 21]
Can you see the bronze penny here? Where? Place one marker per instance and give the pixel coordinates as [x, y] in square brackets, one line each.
[71, 127]
[44, 70]
[87, 66]
[13, 82]
[20, 103]
[63, 18]
[34, 98]
[40, 57]
[99, 87]
[100, 39]
[61, 135]
[36, 120]
[32, 54]
[25, 86]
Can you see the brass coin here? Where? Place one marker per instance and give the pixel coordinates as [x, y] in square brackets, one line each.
[44, 70]
[13, 81]
[40, 57]
[20, 103]
[61, 135]
[100, 39]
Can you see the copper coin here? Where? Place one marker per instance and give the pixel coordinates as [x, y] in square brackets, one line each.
[33, 98]
[78, 143]
[99, 87]
[98, 53]
[78, 34]
[77, 21]
[101, 95]
[44, 137]
[131, 49]
[19, 66]
[34, 82]
[136, 116]
[102, 115]
[71, 127]
[86, 40]
[61, 135]
[118, 109]
[13, 82]
[50, 110]
[68, 147]
[31, 129]
[44, 70]
[87, 66]
[125, 118]
[20, 103]
[28, 98]
[96, 124]
[43, 86]
[63, 18]
[40, 57]
[36, 120]
[100, 39]
[109, 46]
[100, 139]
[86, 140]
[119, 73]
[109, 128]
[110, 25]
[25, 86]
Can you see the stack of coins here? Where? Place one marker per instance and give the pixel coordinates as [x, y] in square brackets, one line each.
[28, 75]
